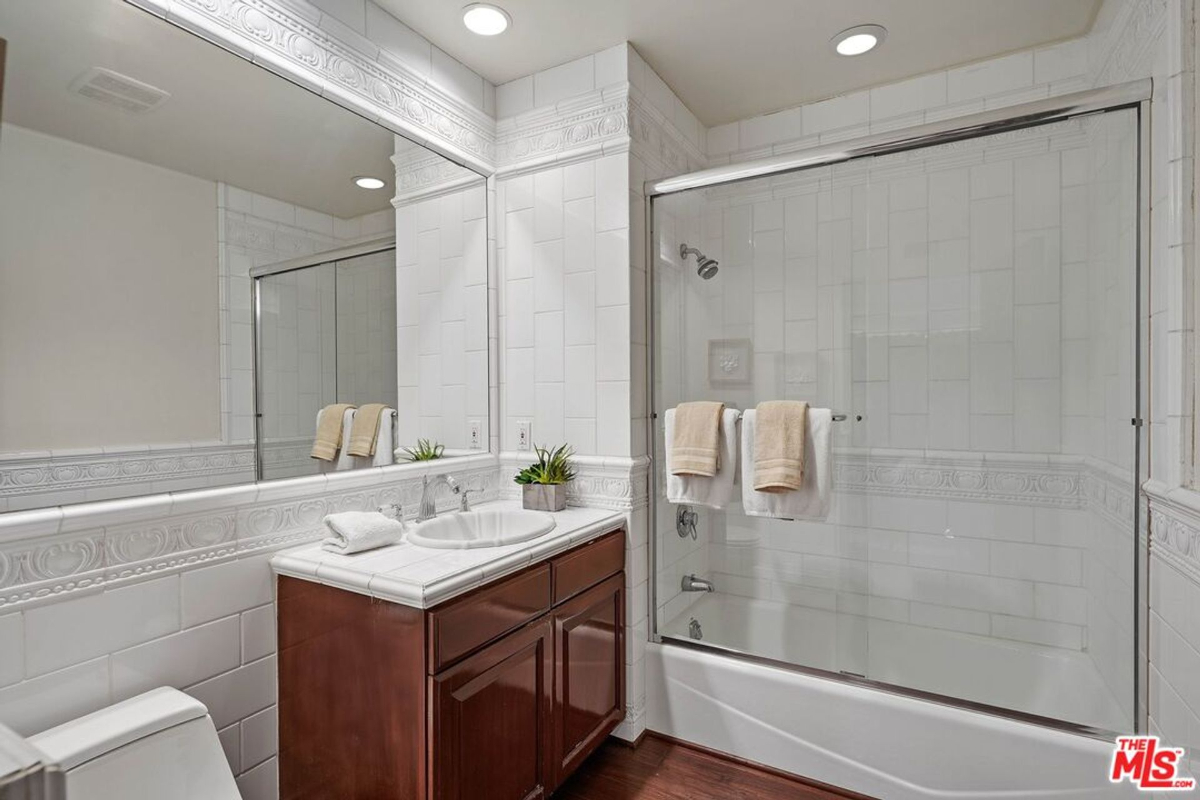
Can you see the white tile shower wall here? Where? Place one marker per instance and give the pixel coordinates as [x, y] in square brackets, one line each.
[170, 590]
[441, 317]
[298, 358]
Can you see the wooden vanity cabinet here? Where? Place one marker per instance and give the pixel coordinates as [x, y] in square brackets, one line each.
[499, 694]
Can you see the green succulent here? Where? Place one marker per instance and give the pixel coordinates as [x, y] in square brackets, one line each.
[424, 451]
[552, 467]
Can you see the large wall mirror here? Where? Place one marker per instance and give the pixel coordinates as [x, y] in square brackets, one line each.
[201, 264]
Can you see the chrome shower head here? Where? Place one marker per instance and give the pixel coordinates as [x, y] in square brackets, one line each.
[705, 267]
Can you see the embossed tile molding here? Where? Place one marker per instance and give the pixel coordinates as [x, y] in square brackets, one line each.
[1175, 527]
[54, 552]
[286, 38]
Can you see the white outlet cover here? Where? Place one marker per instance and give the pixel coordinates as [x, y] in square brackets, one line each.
[524, 436]
[474, 434]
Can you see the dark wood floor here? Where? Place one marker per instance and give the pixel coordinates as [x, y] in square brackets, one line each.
[659, 769]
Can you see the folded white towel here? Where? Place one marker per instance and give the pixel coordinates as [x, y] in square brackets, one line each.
[355, 531]
[344, 460]
[811, 500]
[698, 490]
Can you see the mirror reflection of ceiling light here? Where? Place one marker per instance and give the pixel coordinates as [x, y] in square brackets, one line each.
[367, 182]
[486, 19]
[859, 39]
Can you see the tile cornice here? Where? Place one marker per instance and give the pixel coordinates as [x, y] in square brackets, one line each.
[278, 36]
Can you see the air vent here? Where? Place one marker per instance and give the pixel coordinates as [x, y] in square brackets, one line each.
[121, 91]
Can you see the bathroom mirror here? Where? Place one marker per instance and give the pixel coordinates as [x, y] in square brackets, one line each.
[149, 180]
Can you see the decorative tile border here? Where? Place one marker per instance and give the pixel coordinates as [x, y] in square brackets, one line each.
[51, 554]
[284, 39]
[1054, 481]
[620, 484]
[1175, 527]
[39, 480]
[575, 130]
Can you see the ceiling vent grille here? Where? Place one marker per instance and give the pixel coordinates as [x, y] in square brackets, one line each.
[120, 91]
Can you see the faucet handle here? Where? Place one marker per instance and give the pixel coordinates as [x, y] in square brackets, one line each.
[392, 511]
[464, 500]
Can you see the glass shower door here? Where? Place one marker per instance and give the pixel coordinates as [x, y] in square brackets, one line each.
[753, 332]
[970, 308]
[998, 394]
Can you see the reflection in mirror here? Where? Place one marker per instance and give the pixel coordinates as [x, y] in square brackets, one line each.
[326, 335]
[144, 174]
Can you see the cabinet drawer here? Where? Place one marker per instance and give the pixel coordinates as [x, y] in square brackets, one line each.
[588, 565]
[463, 625]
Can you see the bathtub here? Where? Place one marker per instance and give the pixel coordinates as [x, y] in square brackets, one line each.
[882, 744]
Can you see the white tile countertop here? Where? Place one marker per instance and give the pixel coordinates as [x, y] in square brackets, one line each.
[422, 577]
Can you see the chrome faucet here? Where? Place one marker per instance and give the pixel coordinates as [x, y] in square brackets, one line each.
[428, 508]
[693, 584]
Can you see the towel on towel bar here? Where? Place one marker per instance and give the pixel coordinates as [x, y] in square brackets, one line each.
[695, 442]
[779, 434]
[365, 431]
[329, 431]
[812, 499]
[355, 531]
[714, 492]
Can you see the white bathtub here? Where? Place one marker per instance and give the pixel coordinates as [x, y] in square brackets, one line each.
[878, 743]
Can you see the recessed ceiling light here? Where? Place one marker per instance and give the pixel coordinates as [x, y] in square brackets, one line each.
[859, 39]
[486, 19]
[367, 182]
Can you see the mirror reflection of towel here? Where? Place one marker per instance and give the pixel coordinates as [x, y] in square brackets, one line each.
[329, 431]
[365, 430]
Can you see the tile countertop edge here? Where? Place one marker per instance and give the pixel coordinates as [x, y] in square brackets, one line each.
[392, 587]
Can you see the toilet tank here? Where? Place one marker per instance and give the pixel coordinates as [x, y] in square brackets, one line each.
[158, 745]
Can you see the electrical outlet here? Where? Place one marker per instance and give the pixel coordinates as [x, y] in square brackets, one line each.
[523, 435]
[474, 434]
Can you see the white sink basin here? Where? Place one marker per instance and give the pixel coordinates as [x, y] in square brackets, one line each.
[483, 528]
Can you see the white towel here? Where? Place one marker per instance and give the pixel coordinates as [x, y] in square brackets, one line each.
[355, 531]
[344, 460]
[697, 490]
[811, 500]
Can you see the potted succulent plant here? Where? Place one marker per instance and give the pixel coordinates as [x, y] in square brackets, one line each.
[545, 481]
[425, 450]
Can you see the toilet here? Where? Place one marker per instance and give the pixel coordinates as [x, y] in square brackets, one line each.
[161, 744]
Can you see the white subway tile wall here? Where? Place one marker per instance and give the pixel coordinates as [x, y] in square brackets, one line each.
[565, 302]
[209, 632]
[441, 317]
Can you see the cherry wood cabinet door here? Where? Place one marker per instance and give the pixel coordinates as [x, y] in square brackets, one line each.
[589, 691]
[492, 716]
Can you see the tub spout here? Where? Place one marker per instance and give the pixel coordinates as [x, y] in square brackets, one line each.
[693, 584]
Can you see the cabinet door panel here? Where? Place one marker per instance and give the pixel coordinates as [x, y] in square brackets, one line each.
[590, 679]
[492, 715]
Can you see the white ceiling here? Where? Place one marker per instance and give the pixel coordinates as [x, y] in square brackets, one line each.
[227, 120]
[732, 59]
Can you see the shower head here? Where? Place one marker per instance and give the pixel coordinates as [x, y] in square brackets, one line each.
[705, 267]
